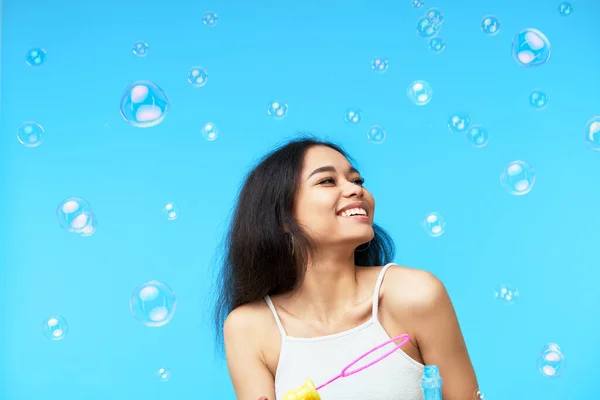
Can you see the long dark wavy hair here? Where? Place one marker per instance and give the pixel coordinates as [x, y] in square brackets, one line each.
[257, 256]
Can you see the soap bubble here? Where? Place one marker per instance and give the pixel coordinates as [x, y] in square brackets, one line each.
[426, 28]
[379, 65]
[538, 99]
[210, 18]
[210, 131]
[434, 224]
[551, 362]
[277, 109]
[592, 133]
[171, 211]
[144, 104]
[418, 3]
[55, 328]
[35, 57]
[435, 15]
[353, 115]
[518, 178]
[506, 294]
[153, 304]
[565, 9]
[419, 92]
[74, 214]
[530, 48]
[197, 76]
[458, 123]
[140, 48]
[478, 136]
[163, 374]
[376, 134]
[30, 134]
[490, 25]
[437, 45]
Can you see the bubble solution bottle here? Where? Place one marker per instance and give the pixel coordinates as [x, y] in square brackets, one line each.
[431, 382]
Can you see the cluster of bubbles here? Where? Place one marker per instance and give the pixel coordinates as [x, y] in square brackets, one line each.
[75, 215]
[429, 26]
[476, 134]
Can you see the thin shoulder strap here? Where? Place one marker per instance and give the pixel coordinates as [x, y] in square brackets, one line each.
[277, 320]
[378, 288]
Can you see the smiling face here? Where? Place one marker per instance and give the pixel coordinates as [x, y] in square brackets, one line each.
[331, 201]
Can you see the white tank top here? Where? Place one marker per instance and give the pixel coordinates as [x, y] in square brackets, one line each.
[396, 377]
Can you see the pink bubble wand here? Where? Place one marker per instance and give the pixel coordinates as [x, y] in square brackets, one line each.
[345, 371]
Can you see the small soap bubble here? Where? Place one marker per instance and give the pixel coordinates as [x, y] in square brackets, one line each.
[277, 109]
[418, 3]
[490, 25]
[506, 294]
[538, 99]
[140, 48]
[478, 136]
[435, 15]
[437, 45]
[530, 48]
[153, 304]
[376, 134]
[458, 123]
[379, 64]
[565, 9]
[55, 328]
[210, 18]
[35, 57]
[30, 134]
[197, 76]
[419, 92]
[518, 178]
[434, 224]
[426, 28]
[592, 133]
[551, 363]
[144, 104]
[210, 131]
[163, 374]
[353, 115]
[171, 211]
[74, 214]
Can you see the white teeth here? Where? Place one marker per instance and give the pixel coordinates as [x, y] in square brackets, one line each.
[353, 211]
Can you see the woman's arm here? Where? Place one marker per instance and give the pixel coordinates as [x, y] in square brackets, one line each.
[440, 339]
[250, 376]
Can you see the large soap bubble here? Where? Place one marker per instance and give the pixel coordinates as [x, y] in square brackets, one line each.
[530, 48]
[144, 104]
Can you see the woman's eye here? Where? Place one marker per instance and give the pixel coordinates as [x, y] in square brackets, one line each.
[359, 181]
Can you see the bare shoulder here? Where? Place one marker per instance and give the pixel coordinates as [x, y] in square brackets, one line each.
[248, 370]
[411, 287]
[246, 319]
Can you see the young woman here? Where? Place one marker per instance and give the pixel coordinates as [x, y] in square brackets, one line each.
[308, 285]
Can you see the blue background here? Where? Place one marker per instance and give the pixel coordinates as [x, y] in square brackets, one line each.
[315, 56]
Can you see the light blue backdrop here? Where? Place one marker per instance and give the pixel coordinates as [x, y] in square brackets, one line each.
[316, 57]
